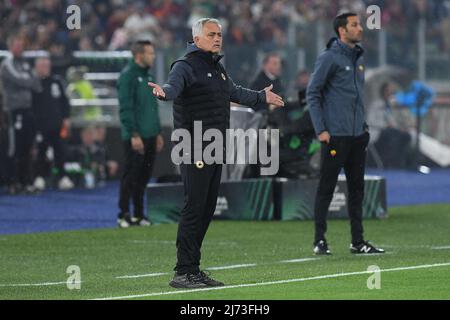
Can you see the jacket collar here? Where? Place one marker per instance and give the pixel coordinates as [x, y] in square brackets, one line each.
[337, 45]
[209, 56]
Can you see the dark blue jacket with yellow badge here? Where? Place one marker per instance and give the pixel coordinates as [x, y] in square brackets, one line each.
[335, 91]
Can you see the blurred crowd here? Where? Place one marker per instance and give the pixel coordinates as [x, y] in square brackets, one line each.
[110, 24]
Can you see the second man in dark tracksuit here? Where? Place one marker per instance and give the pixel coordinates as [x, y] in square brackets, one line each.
[51, 112]
[335, 98]
[202, 91]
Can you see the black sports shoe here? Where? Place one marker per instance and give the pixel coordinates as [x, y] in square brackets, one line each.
[209, 281]
[188, 281]
[321, 248]
[365, 247]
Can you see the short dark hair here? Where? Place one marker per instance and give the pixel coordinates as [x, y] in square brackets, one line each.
[138, 46]
[341, 21]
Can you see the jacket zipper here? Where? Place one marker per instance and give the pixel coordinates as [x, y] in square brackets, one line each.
[357, 95]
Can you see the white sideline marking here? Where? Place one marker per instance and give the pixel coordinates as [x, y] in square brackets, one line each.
[233, 267]
[236, 266]
[441, 248]
[172, 242]
[37, 284]
[143, 275]
[328, 276]
[299, 260]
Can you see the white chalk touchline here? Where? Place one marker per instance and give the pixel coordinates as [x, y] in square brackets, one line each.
[441, 248]
[38, 284]
[233, 267]
[299, 260]
[328, 276]
[236, 266]
[143, 275]
[149, 275]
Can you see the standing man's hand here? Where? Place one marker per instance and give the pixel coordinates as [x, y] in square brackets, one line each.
[325, 137]
[273, 98]
[159, 143]
[157, 90]
[137, 144]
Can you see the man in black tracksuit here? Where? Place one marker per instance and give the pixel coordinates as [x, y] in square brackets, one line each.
[335, 98]
[202, 91]
[270, 74]
[18, 82]
[51, 111]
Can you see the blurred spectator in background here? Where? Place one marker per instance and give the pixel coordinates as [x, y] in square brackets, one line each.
[300, 85]
[5, 161]
[92, 156]
[389, 126]
[269, 75]
[79, 88]
[106, 23]
[141, 25]
[18, 83]
[52, 111]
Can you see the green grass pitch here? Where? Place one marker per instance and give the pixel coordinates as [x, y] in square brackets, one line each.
[269, 260]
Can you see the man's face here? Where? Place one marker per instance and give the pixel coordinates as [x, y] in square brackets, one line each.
[43, 67]
[148, 56]
[211, 38]
[273, 66]
[17, 47]
[302, 80]
[353, 32]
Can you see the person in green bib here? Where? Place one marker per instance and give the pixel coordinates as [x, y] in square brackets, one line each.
[140, 127]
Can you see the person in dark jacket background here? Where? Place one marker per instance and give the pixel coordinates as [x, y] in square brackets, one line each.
[269, 75]
[202, 91]
[140, 125]
[335, 99]
[51, 110]
[18, 83]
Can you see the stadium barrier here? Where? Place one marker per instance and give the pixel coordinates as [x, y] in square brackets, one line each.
[267, 199]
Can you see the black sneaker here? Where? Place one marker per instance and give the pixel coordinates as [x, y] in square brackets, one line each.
[209, 281]
[365, 247]
[321, 248]
[188, 281]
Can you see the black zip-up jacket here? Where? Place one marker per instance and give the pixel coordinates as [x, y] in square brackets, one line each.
[182, 76]
[50, 105]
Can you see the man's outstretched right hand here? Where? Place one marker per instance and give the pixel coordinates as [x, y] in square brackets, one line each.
[157, 90]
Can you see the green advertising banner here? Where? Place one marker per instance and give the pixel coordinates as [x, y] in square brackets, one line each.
[297, 198]
[267, 199]
[238, 200]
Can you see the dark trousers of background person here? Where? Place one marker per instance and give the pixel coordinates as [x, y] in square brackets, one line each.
[137, 172]
[350, 155]
[22, 138]
[394, 148]
[201, 188]
[50, 138]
